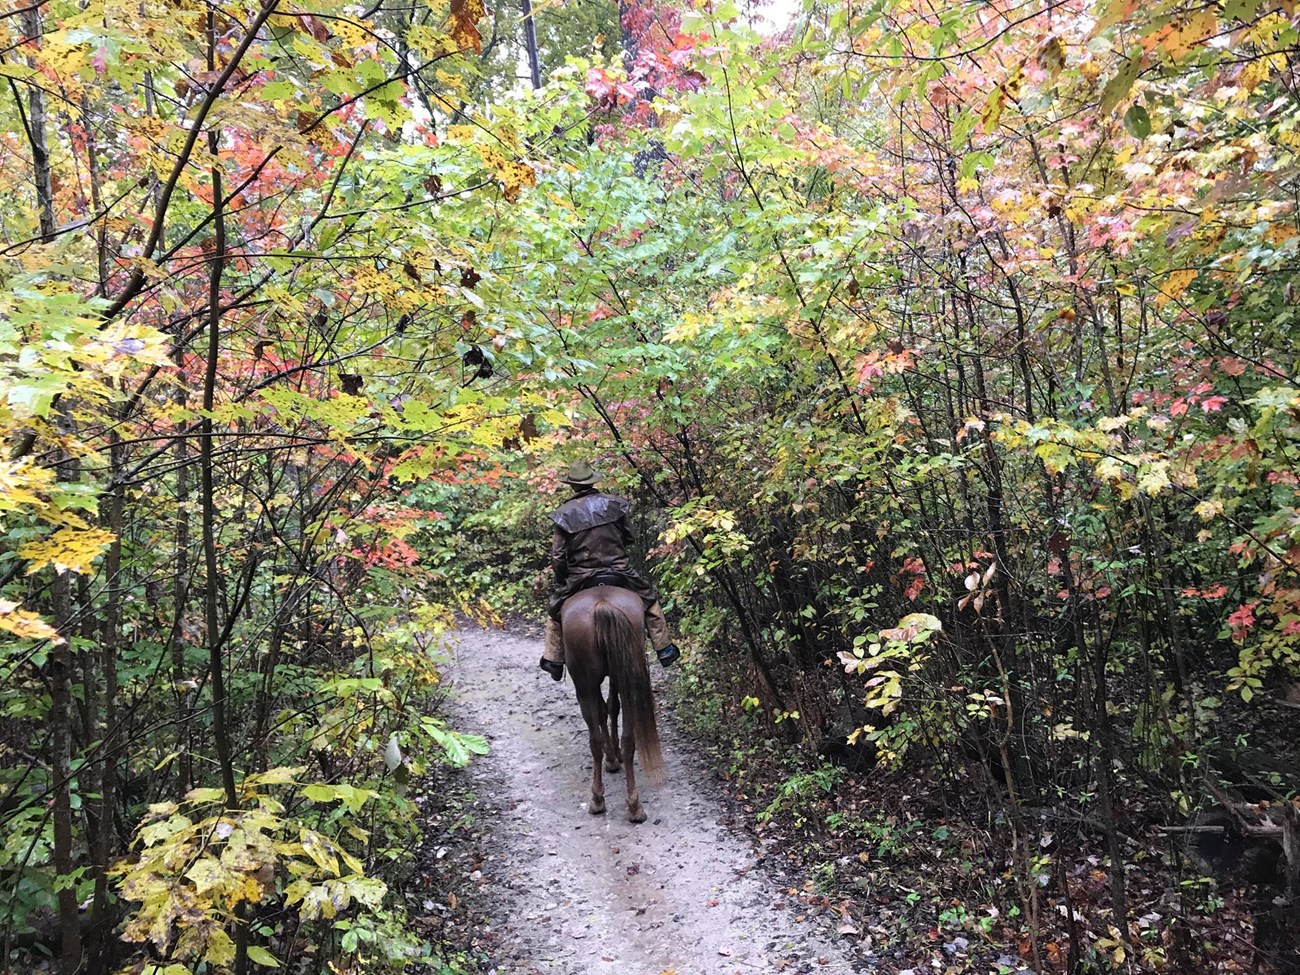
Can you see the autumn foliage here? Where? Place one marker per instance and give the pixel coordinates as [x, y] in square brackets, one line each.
[947, 349]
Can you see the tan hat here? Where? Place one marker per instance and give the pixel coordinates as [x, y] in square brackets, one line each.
[580, 474]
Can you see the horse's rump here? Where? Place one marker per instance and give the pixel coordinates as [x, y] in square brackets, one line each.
[601, 638]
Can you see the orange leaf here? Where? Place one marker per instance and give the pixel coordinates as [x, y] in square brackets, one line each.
[463, 23]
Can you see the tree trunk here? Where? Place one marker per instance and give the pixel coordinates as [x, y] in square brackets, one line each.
[61, 746]
[100, 957]
[530, 43]
[42, 177]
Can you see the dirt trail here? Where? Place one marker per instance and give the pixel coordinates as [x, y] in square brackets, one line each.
[576, 894]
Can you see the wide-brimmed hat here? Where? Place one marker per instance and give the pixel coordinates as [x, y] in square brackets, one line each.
[580, 474]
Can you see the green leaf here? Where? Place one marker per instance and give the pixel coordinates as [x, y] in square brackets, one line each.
[973, 162]
[1118, 86]
[1137, 122]
[1243, 10]
[260, 956]
[320, 792]
[278, 89]
[962, 127]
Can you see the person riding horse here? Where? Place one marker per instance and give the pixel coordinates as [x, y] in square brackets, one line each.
[589, 548]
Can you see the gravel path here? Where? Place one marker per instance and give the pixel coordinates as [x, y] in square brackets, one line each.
[576, 894]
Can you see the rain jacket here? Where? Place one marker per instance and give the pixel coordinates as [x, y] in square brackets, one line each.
[591, 537]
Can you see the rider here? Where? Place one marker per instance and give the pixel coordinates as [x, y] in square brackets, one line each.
[589, 546]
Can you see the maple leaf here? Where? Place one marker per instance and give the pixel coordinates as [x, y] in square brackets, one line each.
[1208, 510]
[1175, 284]
[67, 549]
[513, 176]
[1242, 619]
[24, 623]
[463, 24]
[1119, 84]
[1154, 478]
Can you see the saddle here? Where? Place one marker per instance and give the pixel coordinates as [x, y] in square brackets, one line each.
[608, 578]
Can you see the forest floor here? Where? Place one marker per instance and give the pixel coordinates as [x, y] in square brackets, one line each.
[553, 890]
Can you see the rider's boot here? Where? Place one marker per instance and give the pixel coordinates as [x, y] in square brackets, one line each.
[553, 650]
[657, 629]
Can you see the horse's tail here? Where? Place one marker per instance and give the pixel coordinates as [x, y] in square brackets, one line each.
[629, 675]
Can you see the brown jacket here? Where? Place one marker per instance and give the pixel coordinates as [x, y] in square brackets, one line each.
[591, 537]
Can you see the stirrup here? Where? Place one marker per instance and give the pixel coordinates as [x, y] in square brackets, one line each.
[669, 654]
[553, 667]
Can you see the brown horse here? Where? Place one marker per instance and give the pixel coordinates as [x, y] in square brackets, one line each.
[604, 636]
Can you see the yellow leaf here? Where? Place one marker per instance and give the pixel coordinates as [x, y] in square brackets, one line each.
[1259, 71]
[21, 622]
[1155, 478]
[221, 950]
[1208, 510]
[355, 34]
[1174, 285]
[1279, 235]
[1051, 57]
[281, 775]
[429, 42]
[1110, 470]
[453, 85]
[1184, 36]
[992, 111]
[67, 549]
[296, 891]
[512, 175]
[313, 845]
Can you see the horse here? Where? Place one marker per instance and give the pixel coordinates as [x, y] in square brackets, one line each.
[604, 636]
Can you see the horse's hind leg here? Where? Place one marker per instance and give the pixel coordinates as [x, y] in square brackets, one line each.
[613, 758]
[593, 712]
[635, 811]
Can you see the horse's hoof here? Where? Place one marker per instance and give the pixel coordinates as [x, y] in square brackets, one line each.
[596, 807]
[636, 814]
